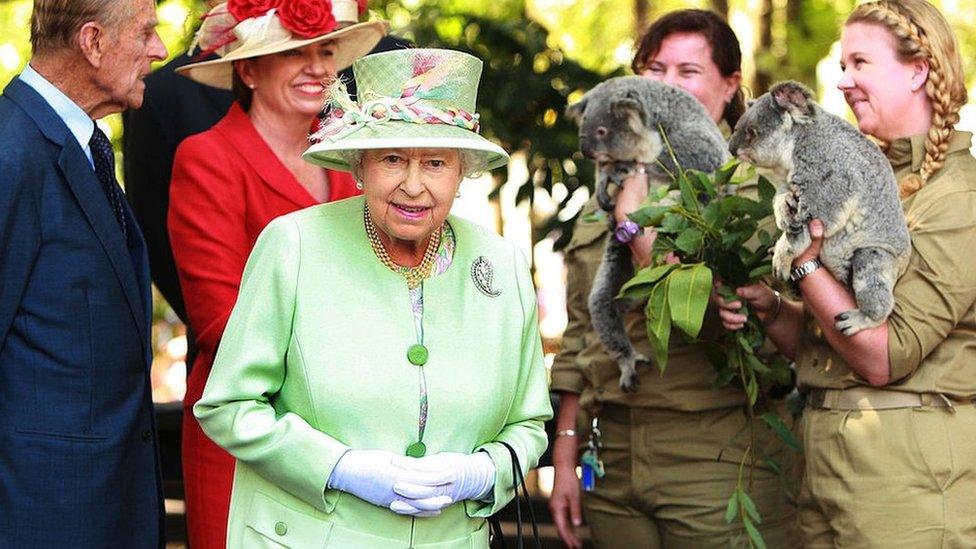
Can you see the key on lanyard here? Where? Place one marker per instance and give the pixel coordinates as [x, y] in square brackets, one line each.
[592, 467]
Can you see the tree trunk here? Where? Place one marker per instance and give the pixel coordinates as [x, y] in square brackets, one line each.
[721, 6]
[763, 79]
[641, 11]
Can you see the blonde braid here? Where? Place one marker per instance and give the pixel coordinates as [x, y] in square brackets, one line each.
[943, 93]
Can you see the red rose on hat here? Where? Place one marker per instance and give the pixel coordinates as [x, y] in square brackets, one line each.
[307, 18]
[246, 9]
[363, 6]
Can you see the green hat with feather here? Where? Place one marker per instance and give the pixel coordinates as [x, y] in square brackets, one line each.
[408, 98]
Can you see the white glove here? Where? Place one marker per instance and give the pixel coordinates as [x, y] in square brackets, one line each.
[457, 476]
[371, 474]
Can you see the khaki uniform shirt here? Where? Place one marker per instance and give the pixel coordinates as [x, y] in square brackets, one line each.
[932, 329]
[583, 367]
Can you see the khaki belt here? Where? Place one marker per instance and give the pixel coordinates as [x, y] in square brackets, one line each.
[868, 398]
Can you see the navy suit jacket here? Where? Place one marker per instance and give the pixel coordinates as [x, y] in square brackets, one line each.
[78, 456]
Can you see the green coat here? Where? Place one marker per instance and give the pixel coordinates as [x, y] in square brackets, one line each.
[314, 362]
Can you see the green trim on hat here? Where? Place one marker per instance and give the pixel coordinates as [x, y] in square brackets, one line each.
[399, 135]
[445, 80]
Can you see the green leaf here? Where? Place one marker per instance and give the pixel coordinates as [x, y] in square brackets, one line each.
[724, 174]
[724, 378]
[757, 365]
[593, 217]
[659, 323]
[765, 238]
[752, 391]
[766, 190]
[750, 508]
[688, 293]
[732, 507]
[705, 182]
[649, 216]
[674, 223]
[773, 466]
[660, 192]
[744, 343]
[754, 536]
[743, 206]
[781, 430]
[715, 215]
[761, 271]
[689, 241]
[645, 277]
[688, 195]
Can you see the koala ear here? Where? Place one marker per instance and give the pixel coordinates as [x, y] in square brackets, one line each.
[628, 106]
[794, 98]
[575, 111]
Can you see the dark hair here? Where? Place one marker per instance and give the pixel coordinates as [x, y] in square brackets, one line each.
[725, 48]
[242, 94]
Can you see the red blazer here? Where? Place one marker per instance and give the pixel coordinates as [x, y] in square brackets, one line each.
[227, 186]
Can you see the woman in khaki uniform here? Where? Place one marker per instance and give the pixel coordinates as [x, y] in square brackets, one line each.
[671, 450]
[890, 427]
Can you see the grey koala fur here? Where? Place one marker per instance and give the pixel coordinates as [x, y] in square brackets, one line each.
[621, 121]
[833, 173]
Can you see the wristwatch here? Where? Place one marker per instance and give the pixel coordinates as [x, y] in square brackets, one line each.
[801, 271]
[626, 230]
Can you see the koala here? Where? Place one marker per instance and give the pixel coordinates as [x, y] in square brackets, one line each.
[620, 123]
[833, 173]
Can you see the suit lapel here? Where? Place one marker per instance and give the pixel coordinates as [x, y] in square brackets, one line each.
[84, 185]
[237, 128]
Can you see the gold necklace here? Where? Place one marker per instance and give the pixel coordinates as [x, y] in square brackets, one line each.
[414, 275]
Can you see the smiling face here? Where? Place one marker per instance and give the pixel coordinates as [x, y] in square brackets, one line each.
[292, 82]
[685, 61]
[409, 193]
[131, 48]
[886, 94]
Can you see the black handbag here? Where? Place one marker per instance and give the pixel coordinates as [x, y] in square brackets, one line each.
[497, 536]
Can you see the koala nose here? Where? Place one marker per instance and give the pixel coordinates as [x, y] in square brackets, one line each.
[586, 147]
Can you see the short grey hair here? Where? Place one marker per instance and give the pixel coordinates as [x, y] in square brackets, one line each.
[472, 163]
[55, 23]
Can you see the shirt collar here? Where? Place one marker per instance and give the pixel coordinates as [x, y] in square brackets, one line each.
[910, 151]
[77, 120]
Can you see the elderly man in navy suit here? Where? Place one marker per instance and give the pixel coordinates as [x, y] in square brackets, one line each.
[78, 457]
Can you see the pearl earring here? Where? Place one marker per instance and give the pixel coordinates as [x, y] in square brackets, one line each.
[359, 185]
[457, 194]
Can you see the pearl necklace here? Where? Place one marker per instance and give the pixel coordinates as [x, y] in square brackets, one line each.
[414, 275]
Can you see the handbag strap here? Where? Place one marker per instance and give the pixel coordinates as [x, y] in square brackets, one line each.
[519, 479]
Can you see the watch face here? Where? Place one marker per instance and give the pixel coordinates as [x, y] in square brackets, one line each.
[625, 231]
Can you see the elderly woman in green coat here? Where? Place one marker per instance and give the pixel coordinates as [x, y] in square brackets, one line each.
[382, 353]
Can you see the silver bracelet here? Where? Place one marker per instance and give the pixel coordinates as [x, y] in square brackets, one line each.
[779, 304]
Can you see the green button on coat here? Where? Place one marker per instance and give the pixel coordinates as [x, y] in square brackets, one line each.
[417, 354]
[281, 528]
[417, 449]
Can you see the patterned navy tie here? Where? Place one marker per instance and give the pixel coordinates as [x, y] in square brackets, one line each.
[104, 160]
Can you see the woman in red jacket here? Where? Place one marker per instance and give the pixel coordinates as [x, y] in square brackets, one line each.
[232, 180]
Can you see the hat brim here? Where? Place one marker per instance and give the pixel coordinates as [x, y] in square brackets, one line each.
[396, 134]
[351, 42]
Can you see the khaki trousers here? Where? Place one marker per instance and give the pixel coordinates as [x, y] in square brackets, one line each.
[899, 478]
[669, 476]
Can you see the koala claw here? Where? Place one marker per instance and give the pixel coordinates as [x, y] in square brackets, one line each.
[628, 372]
[853, 321]
[782, 263]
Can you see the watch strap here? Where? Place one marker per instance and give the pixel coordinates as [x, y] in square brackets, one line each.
[802, 270]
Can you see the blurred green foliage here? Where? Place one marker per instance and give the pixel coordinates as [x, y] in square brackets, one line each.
[541, 55]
